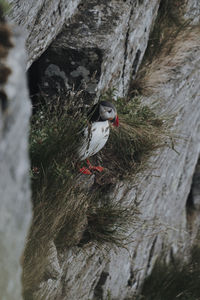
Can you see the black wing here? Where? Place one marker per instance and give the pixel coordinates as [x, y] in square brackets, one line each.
[93, 114]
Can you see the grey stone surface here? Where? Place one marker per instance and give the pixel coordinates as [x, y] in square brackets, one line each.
[43, 19]
[162, 191]
[101, 46]
[192, 11]
[15, 205]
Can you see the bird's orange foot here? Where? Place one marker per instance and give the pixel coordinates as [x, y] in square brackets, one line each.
[99, 168]
[91, 167]
[84, 170]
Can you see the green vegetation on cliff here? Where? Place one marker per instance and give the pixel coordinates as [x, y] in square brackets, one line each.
[71, 208]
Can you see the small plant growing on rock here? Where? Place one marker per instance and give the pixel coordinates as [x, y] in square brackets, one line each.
[109, 222]
[4, 8]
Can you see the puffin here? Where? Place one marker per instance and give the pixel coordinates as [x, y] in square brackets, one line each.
[96, 133]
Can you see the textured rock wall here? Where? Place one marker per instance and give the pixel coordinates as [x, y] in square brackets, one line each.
[102, 46]
[168, 228]
[43, 20]
[104, 43]
[15, 210]
[162, 193]
[192, 11]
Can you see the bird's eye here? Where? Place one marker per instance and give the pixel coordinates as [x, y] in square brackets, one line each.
[109, 111]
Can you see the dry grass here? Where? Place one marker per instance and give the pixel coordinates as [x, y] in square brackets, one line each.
[172, 43]
[174, 281]
[151, 77]
[109, 222]
[58, 201]
[140, 132]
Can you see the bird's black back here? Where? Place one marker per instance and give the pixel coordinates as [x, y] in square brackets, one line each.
[93, 114]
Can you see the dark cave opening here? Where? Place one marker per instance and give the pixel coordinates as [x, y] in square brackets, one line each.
[55, 74]
[193, 200]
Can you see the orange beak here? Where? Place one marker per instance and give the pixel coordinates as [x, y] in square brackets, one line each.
[116, 121]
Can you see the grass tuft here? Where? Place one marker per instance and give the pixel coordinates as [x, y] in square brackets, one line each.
[58, 200]
[174, 281]
[4, 9]
[54, 139]
[172, 41]
[139, 134]
[109, 222]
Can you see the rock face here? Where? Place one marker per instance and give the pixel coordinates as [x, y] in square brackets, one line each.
[192, 11]
[43, 20]
[102, 46]
[168, 228]
[15, 212]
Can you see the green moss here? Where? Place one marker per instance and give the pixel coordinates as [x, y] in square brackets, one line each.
[4, 8]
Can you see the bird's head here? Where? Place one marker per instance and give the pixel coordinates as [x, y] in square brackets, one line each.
[108, 112]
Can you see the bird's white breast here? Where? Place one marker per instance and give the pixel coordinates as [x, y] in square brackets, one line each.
[95, 138]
